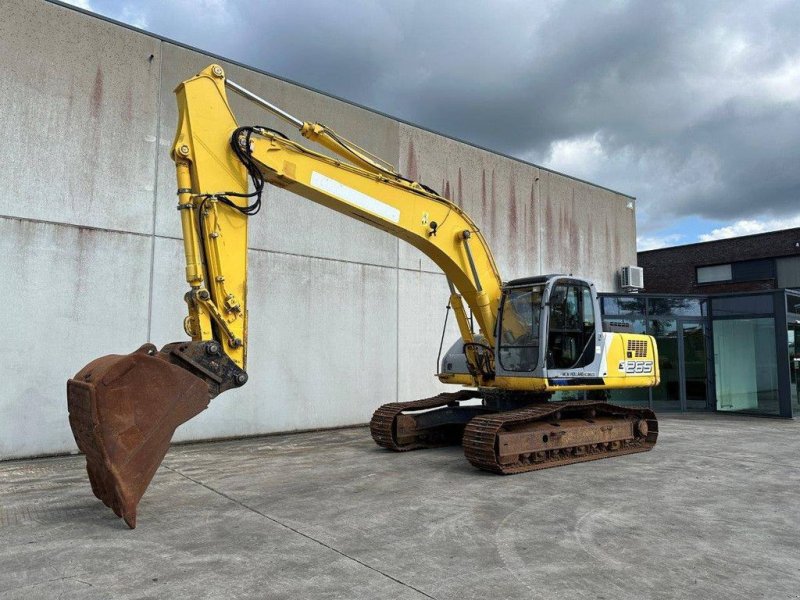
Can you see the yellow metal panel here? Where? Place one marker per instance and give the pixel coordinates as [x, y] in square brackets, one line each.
[632, 361]
[393, 206]
[215, 235]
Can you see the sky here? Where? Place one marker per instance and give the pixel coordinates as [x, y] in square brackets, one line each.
[693, 107]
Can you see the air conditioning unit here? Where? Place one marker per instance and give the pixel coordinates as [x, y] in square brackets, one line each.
[632, 278]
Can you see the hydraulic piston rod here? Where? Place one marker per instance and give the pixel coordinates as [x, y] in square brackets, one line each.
[278, 112]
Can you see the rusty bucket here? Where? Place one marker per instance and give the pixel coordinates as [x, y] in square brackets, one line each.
[123, 410]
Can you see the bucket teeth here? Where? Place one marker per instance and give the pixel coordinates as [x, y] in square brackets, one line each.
[123, 411]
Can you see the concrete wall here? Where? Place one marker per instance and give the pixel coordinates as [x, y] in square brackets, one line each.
[343, 317]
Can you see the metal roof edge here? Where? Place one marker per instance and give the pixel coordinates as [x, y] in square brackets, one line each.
[738, 237]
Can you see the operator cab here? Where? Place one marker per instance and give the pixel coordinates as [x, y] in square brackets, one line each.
[546, 322]
[547, 327]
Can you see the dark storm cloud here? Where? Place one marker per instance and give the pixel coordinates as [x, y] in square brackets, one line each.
[694, 107]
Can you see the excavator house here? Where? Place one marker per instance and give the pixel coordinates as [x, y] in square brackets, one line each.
[521, 341]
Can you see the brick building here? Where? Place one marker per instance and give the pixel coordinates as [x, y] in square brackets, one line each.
[726, 318]
[764, 261]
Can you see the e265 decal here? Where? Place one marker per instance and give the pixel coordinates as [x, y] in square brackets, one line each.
[636, 367]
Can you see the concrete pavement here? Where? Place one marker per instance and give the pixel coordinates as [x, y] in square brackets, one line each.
[712, 512]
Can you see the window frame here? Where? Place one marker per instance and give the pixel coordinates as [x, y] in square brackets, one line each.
[698, 268]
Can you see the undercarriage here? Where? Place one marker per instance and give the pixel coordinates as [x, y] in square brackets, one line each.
[514, 433]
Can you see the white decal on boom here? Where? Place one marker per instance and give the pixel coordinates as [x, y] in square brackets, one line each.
[354, 197]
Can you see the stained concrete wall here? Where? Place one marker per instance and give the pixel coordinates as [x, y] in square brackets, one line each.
[343, 317]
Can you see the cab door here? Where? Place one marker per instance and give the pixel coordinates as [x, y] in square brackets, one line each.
[572, 328]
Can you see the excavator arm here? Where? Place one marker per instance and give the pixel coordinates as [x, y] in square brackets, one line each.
[212, 156]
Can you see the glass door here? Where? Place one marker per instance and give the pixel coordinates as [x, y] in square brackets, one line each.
[695, 366]
[683, 360]
[794, 365]
[667, 395]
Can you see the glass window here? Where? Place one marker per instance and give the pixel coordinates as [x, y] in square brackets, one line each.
[794, 367]
[623, 305]
[568, 396]
[519, 328]
[742, 305]
[694, 365]
[667, 396]
[676, 306]
[746, 366]
[788, 271]
[792, 303]
[565, 312]
[631, 397]
[570, 342]
[753, 270]
[624, 325]
[587, 308]
[558, 298]
[714, 273]
[568, 314]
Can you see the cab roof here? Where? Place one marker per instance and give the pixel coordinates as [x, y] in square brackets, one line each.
[534, 280]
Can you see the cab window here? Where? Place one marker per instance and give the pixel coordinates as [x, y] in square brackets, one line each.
[571, 342]
[519, 328]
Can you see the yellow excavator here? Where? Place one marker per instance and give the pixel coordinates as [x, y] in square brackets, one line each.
[535, 336]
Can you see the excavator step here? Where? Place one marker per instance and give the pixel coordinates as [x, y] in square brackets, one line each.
[557, 433]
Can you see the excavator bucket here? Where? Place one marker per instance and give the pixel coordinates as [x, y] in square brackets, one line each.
[123, 410]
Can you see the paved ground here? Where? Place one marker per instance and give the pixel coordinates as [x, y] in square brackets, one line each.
[712, 512]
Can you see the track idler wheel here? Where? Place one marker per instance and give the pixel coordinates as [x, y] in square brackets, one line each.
[123, 411]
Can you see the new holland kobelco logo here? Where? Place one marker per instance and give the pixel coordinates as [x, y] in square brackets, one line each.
[636, 367]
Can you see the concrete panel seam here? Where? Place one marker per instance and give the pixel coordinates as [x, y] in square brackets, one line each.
[295, 530]
[73, 225]
[167, 237]
[156, 150]
[326, 258]
[538, 198]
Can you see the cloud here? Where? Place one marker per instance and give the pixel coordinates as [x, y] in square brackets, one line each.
[654, 242]
[692, 107]
[749, 227]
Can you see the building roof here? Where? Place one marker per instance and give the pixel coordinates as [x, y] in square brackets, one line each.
[781, 234]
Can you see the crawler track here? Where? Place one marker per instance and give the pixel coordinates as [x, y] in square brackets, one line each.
[383, 425]
[483, 434]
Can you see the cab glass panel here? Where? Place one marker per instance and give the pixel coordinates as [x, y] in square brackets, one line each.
[519, 328]
[571, 333]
